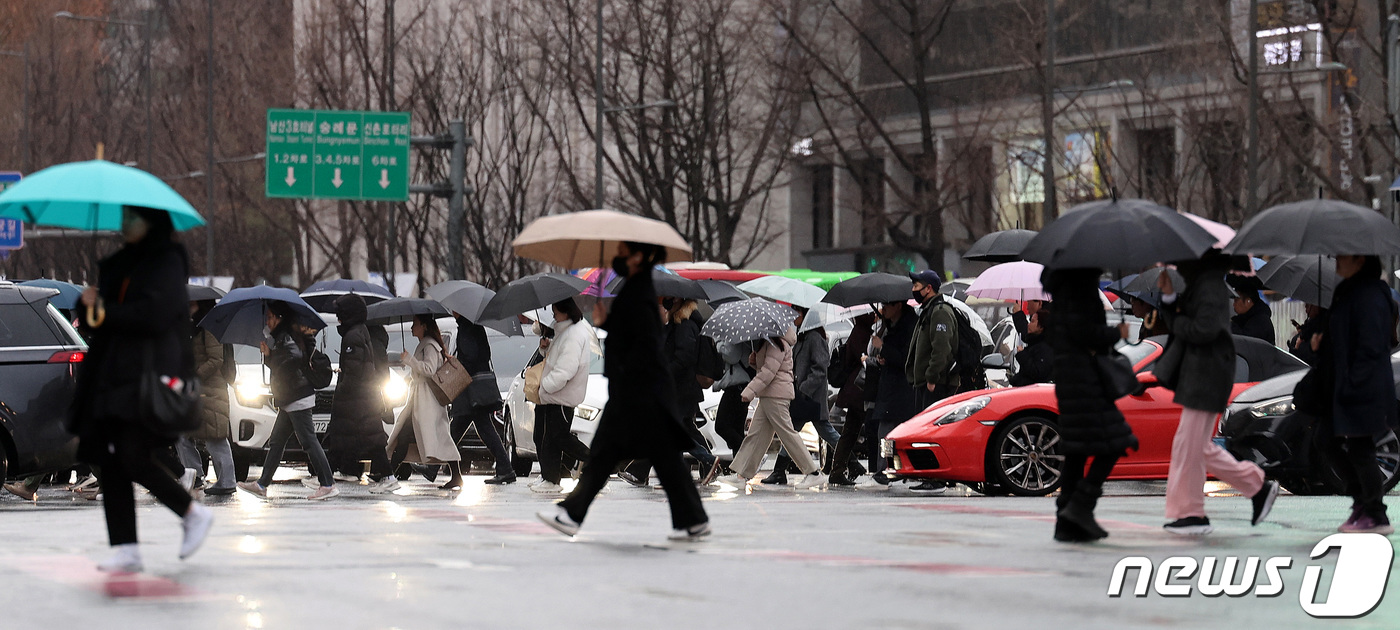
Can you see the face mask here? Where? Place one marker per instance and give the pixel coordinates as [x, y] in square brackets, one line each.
[918, 296]
[619, 264]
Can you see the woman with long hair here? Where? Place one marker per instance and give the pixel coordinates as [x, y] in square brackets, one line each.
[422, 432]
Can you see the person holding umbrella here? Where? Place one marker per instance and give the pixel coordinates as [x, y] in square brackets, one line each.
[563, 387]
[1199, 363]
[474, 351]
[287, 358]
[140, 323]
[850, 396]
[1307, 339]
[422, 432]
[356, 430]
[641, 419]
[210, 358]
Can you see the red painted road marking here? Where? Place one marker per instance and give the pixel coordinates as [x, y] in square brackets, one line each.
[1021, 514]
[82, 572]
[939, 568]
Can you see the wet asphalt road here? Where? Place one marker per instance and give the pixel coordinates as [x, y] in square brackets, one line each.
[425, 558]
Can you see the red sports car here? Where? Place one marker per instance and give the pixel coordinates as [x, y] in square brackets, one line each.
[1007, 440]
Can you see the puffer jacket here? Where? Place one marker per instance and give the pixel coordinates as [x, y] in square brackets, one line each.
[773, 360]
[565, 380]
[288, 364]
[213, 393]
[1090, 422]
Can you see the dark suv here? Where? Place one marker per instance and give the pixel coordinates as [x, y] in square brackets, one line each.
[39, 354]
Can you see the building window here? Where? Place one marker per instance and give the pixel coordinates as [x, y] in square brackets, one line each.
[1026, 160]
[1157, 164]
[823, 212]
[870, 179]
[1084, 160]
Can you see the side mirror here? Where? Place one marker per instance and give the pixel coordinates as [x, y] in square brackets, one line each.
[994, 361]
[1147, 379]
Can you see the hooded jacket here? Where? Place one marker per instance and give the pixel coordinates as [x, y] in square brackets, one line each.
[773, 360]
[1200, 331]
[359, 397]
[810, 362]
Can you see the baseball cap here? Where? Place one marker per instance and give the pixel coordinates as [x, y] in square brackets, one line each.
[928, 277]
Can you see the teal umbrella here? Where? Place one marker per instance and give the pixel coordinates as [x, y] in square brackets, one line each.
[90, 196]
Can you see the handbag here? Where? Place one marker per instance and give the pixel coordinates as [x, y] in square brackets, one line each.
[1168, 366]
[804, 409]
[449, 380]
[484, 392]
[1116, 375]
[169, 405]
[533, 375]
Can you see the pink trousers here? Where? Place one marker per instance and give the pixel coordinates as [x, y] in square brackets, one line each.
[1193, 455]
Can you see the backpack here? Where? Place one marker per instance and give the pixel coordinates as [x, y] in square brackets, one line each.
[967, 362]
[320, 371]
[709, 366]
[837, 371]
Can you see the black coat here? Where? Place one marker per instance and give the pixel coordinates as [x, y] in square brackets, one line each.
[358, 408]
[851, 394]
[1035, 362]
[474, 351]
[682, 351]
[641, 414]
[1358, 338]
[894, 398]
[1199, 321]
[1257, 322]
[144, 292]
[1090, 423]
[287, 362]
[1301, 342]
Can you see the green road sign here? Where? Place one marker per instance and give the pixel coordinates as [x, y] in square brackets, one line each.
[337, 154]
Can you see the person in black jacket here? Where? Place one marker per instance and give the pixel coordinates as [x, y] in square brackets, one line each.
[1091, 426]
[1253, 317]
[851, 397]
[894, 396]
[641, 419]
[1036, 359]
[356, 431]
[1356, 347]
[142, 326]
[474, 351]
[1305, 342]
[288, 361]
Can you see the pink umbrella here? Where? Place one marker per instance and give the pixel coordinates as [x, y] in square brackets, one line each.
[1010, 281]
[1223, 233]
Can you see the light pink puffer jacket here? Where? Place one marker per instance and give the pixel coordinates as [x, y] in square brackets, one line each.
[774, 364]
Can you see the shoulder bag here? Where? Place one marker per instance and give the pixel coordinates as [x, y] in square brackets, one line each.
[449, 380]
[533, 375]
[169, 405]
[1116, 375]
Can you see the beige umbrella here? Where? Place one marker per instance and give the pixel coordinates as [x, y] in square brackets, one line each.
[590, 237]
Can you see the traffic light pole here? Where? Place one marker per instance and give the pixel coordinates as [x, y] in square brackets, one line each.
[454, 190]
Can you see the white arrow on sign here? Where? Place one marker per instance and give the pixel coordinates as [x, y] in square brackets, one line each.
[383, 178]
[336, 180]
[291, 177]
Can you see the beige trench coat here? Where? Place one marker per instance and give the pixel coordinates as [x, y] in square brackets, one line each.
[423, 424]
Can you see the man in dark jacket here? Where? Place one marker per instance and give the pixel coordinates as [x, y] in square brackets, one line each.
[474, 351]
[933, 349]
[1253, 318]
[641, 419]
[851, 398]
[1199, 364]
[356, 431]
[894, 397]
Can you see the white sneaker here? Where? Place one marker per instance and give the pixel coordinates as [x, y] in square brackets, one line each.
[534, 483]
[187, 479]
[310, 483]
[340, 476]
[733, 480]
[196, 525]
[386, 485]
[323, 493]
[558, 518]
[124, 559]
[814, 480]
[547, 487]
[692, 534]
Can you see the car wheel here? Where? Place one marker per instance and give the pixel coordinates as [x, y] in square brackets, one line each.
[1024, 456]
[4, 464]
[1388, 458]
[518, 462]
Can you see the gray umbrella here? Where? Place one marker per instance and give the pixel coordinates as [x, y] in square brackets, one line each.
[1310, 279]
[1317, 226]
[1000, 247]
[399, 310]
[667, 285]
[468, 299]
[532, 292]
[749, 320]
[718, 292]
[1118, 234]
[870, 288]
[1146, 282]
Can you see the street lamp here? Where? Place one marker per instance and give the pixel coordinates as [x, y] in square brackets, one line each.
[145, 66]
[598, 148]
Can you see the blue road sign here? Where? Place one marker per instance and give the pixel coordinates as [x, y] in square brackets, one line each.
[11, 230]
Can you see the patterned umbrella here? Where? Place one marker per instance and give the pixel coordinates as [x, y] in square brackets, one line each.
[749, 320]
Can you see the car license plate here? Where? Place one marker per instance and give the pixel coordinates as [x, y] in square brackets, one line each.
[320, 425]
[886, 448]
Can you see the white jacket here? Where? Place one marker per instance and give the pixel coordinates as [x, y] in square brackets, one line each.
[565, 380]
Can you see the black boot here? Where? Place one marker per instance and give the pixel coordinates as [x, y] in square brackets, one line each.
[780, 470]
[839, 478]
[1066, 531]
[1079, 509]
[854, 469]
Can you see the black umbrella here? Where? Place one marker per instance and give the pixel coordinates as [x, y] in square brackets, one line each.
[667, 285]
[200, 293]
[1000, 247]
[870, 288]
[1310, 279]
[532, 292]
[720, 292]
[749, 320]
[1118, 234]
[399, 310]
[1317, 226]
[322, 295]
[238, 317]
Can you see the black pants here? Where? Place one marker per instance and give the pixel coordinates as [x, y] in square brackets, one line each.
[553, 439]
[1354, 460]
[732, 417]
[486, 428]
[923, 398]
[1098, 471]
[132, 460]
[850, 435]
[671, 469]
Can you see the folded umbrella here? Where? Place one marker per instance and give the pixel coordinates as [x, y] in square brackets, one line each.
[719, 292]
[667, 284]
[67, 296]
[795, 292]
[532, 292]
[1118, 234]
[1308, 278]
[400, 310]
[238, 317]
[200, 293]
[1018, 281]
[870, 288]
[1000, 247]
[90, 196]
[590, 237]
[749, 320]
[1317, 226]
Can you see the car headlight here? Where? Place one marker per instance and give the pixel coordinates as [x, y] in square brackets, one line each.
[252, 393]
[1273, 407]
[963, 411]
[587, 413]
[395, 390]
